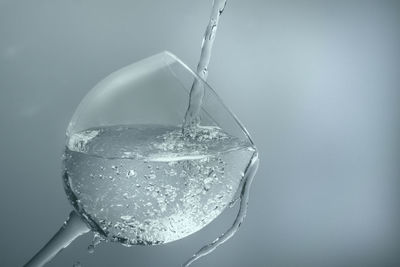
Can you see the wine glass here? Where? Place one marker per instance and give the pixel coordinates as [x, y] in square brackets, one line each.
[134, 177]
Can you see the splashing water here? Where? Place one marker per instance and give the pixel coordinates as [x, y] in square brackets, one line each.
[197, 90]
[97, 239]
[147, 185]
[250, 173]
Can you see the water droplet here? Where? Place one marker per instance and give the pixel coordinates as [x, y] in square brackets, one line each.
[95, 242]
[77, 264]
[90, 249]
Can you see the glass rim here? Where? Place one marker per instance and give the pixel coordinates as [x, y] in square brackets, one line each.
[174, 57]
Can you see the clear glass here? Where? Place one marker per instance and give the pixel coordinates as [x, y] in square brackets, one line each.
[129, 172]
[152, 91]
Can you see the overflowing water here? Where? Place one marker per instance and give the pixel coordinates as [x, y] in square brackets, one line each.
[244, 198]
[197, 90]
[97, 239]
[147, 185]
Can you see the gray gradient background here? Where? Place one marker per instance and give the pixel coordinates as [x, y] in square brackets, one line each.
[315, 82]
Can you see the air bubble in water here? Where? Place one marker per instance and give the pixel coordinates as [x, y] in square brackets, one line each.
[131, 173]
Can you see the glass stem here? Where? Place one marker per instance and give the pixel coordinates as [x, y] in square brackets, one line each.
[72, 228]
